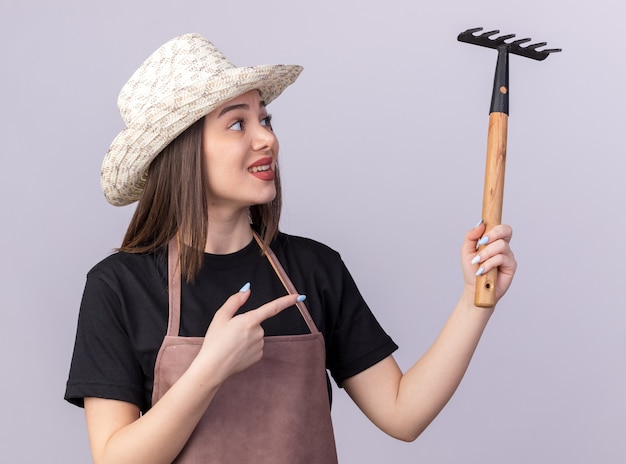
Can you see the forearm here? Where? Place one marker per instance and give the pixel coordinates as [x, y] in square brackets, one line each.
[403, 405]
[429, 384]
[159, 435]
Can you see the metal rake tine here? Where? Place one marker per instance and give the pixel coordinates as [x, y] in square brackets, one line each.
[488, 34]
[520, 41]
[506, 37]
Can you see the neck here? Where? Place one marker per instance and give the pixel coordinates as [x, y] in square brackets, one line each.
[228, 233]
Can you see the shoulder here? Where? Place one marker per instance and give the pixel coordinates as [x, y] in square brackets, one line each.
[305, 249]
[125, 268]
[309, 261]
[120, 287]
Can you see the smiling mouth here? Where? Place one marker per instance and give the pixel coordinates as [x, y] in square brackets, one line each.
[265, 167]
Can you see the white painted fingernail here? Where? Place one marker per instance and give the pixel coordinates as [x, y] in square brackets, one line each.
[301, 298]
[484, 239]
[480, 271]
[245, 288]
[479, 223]
[476, 259]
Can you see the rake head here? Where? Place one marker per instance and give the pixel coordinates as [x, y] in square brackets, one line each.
[515, 47]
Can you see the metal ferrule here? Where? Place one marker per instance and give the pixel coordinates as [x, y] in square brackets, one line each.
[500, 95]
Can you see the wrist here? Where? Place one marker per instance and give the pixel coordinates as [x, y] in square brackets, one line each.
[467, 301]
[207, 372]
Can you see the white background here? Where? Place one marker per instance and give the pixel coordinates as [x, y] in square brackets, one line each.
[382, 150]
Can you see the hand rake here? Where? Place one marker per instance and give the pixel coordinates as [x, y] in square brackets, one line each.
[496, 139]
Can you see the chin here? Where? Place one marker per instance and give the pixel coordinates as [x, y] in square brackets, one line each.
[263, 199]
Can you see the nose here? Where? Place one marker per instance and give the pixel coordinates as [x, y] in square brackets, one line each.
[263, 139]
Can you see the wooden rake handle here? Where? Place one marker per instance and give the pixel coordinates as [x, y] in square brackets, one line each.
[492, 199]
[494, 170]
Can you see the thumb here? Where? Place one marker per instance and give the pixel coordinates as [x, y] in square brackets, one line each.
[233, 303]
[472, 236]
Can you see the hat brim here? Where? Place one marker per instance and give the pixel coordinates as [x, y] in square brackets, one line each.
[125, 166]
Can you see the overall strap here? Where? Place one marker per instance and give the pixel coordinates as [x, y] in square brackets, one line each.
[284, 278]
[174, 283]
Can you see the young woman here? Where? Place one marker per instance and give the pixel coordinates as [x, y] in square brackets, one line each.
[193, 344]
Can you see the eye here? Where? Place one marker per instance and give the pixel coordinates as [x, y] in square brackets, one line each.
[237, 126]
[267, 121]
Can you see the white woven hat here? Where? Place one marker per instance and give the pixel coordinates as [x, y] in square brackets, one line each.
[182, 81]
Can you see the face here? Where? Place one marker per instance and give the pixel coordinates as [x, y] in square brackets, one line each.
[240, 151]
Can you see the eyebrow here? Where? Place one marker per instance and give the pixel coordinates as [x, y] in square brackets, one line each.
[240, 106]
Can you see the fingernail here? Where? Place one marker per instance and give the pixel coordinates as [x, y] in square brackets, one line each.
[480, 271]
[476, 259]
[484, 239]
[479, 223]
[301, 298]
[245, 288]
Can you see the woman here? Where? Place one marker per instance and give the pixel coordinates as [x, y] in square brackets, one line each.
[193, 344]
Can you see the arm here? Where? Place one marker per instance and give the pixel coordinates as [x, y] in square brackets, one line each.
[403, 405]
[119, 434]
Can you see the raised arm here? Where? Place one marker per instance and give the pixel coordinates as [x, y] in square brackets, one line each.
[119, 434]
[403, 405]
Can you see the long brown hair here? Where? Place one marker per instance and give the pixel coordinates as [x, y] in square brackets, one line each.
[174, 200]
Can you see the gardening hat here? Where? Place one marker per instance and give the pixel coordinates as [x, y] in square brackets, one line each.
[182, 81]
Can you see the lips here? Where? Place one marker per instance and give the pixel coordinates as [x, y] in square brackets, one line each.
[262, 169]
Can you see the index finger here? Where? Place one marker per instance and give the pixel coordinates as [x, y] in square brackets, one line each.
[274, 307]
[500, 232]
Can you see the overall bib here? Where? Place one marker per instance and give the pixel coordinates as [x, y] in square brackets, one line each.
[275, 412]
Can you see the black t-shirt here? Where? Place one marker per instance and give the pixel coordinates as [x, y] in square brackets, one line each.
[124, 311]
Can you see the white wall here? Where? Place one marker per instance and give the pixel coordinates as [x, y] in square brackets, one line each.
[382, 143]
